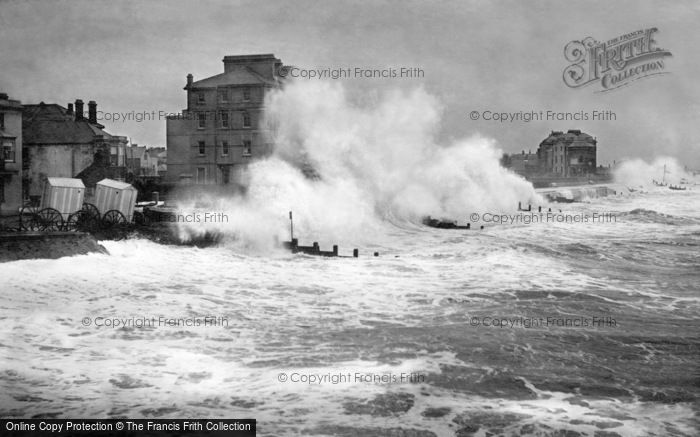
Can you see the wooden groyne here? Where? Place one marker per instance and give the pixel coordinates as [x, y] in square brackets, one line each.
[315, 249]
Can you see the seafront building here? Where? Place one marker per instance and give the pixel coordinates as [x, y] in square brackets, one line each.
[220, 132]
[61, 142]
[11, 163]
[568, 154]
[561, 156]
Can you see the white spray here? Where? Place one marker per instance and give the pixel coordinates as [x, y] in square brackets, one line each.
[348, 170]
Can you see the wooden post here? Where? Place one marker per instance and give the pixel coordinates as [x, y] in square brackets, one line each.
[469, 225]
[539, 209]
[295, 242]
[376, 253]
[520, 206]
[355, 253]
[316, 246]
[335, 250]
[529, 207]
[291, 227]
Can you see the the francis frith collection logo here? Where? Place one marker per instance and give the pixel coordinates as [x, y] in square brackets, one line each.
[616, 62]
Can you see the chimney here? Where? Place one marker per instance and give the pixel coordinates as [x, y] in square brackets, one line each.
[189, 80]
[92, 112]
[70, 109]
[79, 110]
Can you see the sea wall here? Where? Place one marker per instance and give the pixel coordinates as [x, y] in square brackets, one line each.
[50, 245]
[581, 193]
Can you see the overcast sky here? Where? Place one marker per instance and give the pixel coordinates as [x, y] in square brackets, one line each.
[503, 56]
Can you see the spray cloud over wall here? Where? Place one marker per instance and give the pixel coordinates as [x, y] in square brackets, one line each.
[639, 173]
[347, 170]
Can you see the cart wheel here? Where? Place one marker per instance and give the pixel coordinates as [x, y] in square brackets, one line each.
[76, 222]
[47, 219]
[26, 218]
[91, 210]
[91, 217]
[114, 224]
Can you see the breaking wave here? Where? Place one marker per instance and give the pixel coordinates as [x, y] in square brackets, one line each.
[348, 169]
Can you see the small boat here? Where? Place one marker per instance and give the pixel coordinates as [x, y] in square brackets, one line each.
[677, 188]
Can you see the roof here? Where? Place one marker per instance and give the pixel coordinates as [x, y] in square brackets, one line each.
[572, 136]
[111, 183]
[136, 152]
[237, 76]
[65, 182]
[51, 124]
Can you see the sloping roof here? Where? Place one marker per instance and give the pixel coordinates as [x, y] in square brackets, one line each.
[111, 183]
[51, 124]
[136, 152]
[65, 182]
[155, 152]
[238, 76]
[573, 135]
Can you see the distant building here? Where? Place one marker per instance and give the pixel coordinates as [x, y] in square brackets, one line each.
[11, 163]
[61, 142]
[220, 132]
[145, 161]
[560, 155]
[135, 158]
[160, 156]
[524, 163]
[568, 154]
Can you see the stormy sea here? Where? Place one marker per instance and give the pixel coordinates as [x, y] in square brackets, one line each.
[579, 326]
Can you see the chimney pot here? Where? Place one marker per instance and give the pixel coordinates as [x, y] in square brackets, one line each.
[79, 110]
[92, 112]
[189, 80]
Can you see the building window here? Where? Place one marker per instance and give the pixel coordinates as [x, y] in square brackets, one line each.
[2, 121]
[201, 172]
[114, 156]
[224, 148]
[201, 120]
[200, 98]
[224, 120]
[202, 148]
[246, 95]
[246, 119]
[223, 95]
[8, 150]
[247, 149]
